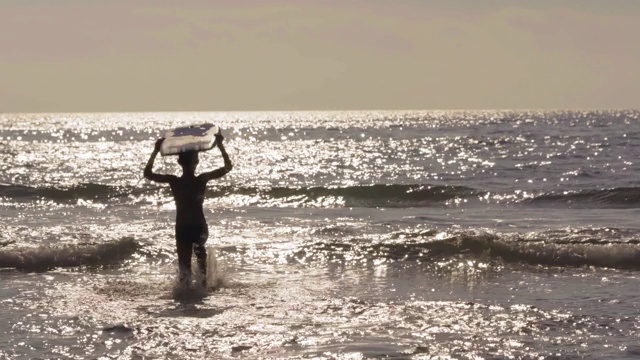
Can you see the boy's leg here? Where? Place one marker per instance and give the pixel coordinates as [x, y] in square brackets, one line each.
[201, 254]
[184, 261]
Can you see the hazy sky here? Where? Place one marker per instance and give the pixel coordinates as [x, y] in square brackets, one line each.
[155, 55]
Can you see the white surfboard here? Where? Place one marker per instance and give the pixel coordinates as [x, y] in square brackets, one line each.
[189, 138]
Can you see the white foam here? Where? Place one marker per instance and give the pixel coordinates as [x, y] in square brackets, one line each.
[215, 276]
[44, 258]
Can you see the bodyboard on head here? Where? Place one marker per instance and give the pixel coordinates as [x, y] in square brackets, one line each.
[189, 138]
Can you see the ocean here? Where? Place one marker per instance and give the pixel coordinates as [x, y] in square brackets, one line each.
[337, 235]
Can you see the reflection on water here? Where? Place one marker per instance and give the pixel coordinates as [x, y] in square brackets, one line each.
[275, 311]
[344, 235]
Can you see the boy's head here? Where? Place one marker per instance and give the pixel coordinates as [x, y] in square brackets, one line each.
[188, 159]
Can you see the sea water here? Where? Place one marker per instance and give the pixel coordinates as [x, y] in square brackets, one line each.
[338, 235]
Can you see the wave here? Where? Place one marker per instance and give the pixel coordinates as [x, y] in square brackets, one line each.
[48, 258]
[435, 195]
[626, 197]
[351, 196]
[82, 191]
[377, 195]
[559, 249]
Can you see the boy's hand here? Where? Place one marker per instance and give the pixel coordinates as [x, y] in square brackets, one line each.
[219, 139]
[158, 144]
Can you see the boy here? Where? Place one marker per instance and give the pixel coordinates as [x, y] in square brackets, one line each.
[188, 193]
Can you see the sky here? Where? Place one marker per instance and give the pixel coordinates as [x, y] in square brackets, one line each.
[262, 55]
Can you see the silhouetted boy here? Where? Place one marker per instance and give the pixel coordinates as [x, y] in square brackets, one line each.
[188, 193]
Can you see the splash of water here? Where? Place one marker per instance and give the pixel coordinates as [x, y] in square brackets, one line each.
[215, 278]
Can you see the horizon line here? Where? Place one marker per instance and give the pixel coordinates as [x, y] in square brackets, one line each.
[319, 111]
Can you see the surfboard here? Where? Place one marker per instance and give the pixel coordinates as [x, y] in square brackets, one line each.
[189, 138]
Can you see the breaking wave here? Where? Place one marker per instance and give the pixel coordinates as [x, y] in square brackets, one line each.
[47, 258]
[571, 248]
